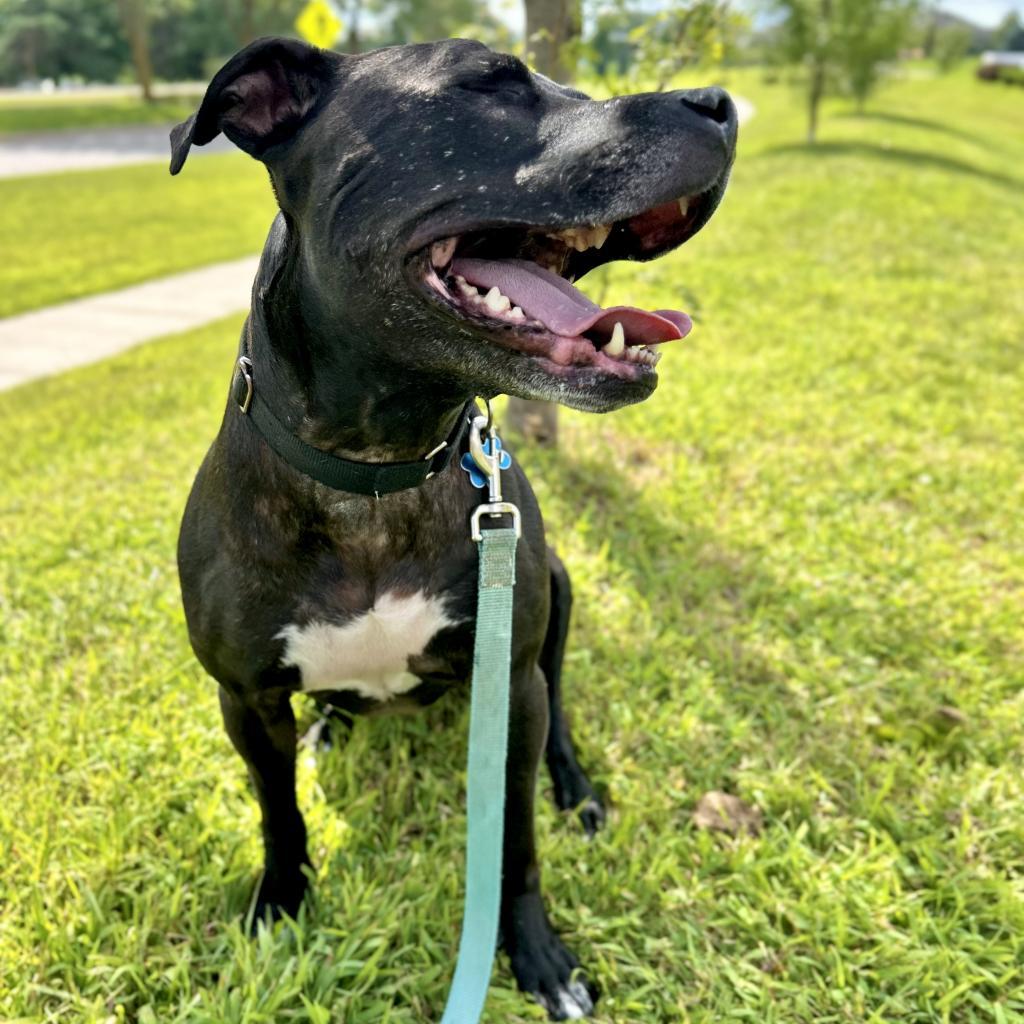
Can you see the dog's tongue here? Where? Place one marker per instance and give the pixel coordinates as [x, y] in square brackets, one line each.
[564, 310]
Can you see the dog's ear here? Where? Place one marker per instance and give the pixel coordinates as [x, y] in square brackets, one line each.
[258, 99]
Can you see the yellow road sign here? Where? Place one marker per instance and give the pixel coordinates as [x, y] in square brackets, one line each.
[318, 24]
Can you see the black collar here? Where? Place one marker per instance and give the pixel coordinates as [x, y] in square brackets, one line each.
[331, 470]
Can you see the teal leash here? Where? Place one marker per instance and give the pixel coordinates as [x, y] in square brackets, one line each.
[488, 733]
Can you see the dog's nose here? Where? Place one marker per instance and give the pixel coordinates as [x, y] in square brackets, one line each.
[713, 104]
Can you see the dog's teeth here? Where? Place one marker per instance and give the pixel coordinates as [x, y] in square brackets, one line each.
[467, 289]
[684, 205]
[516, 313]
[599, 235]
[617, 345]
[496, 302]
[441, 252]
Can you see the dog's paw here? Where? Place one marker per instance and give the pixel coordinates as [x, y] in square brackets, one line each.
[544, 967]
[573, 1002]
[593, 816]
[277, 898]
[573, 791]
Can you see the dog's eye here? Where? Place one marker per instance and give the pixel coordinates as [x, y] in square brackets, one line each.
[506, 82]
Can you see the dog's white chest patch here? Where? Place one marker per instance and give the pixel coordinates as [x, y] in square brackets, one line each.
[370, 653]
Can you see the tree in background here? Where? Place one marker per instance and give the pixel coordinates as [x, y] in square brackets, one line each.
[413, 21]
[678, 36]
[869, 35]
[842, 43]
[949, 46]
[135, 22]
[552, 27]
[1009, 33]
[59, 38]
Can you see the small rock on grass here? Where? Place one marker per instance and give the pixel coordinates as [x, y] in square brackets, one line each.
[724, 812]
[948, 717]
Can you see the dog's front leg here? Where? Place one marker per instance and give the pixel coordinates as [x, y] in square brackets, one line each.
[541, 963]
[262, 728]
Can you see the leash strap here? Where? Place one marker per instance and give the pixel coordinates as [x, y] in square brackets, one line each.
[488, 748]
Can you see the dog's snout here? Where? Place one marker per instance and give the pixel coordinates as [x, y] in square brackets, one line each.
[713, 104]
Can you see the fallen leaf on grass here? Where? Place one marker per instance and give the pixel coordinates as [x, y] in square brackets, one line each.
[949, 717]
[724, 812]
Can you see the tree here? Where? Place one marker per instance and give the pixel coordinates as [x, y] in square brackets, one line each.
[1009, 33]
[56, 38]
[869, 35]
[842, 43]
[950, 44]
[552, 26]
[135, 23]
[678, 36]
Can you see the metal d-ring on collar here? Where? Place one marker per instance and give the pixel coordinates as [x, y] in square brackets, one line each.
[489, 463]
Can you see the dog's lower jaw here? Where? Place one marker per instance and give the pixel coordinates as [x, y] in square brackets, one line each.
[541, 963]
[520, 376]
[585, 396]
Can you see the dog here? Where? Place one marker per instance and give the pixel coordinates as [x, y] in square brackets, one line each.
[436, 203]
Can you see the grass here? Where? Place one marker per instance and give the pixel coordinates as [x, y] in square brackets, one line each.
[68, 235]
[799, 578]
[42, 115]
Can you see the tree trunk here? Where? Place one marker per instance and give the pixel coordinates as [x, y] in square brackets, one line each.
[248, 22]
[29, 53]
[136, 29]
[354, 10]
[814, 100]
[550, 26]
[819, 67]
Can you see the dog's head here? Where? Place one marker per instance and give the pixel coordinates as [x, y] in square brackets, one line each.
[441, 199]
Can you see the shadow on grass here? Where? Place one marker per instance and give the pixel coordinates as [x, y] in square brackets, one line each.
[906, 121]
[894, 154]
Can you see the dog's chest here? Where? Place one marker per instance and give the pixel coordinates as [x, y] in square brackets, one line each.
[369, 653]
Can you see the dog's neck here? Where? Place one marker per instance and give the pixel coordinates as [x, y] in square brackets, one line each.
[340, 403]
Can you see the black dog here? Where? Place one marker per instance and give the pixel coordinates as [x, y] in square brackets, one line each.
[436, 202]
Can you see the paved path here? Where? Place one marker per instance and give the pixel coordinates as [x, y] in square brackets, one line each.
[13, 96]
[60, 337]
[72, 334]
[48, 152]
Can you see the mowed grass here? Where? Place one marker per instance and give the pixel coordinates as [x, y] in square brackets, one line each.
[68, 235]
[59, 113]
[799, 578]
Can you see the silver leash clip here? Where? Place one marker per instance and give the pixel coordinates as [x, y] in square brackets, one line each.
[487, 455]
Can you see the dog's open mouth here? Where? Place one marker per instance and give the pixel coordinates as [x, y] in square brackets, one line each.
[516, 283]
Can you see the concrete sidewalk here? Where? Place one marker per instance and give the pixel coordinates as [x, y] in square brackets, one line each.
[74, 333]
[29, 153]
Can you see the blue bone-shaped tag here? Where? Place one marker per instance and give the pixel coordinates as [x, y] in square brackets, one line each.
[469, 465]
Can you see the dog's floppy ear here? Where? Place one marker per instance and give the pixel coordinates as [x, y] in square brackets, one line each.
[258, 99]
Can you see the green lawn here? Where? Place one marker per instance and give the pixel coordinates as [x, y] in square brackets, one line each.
[43, 115]
[800, 578]
[68, 235]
